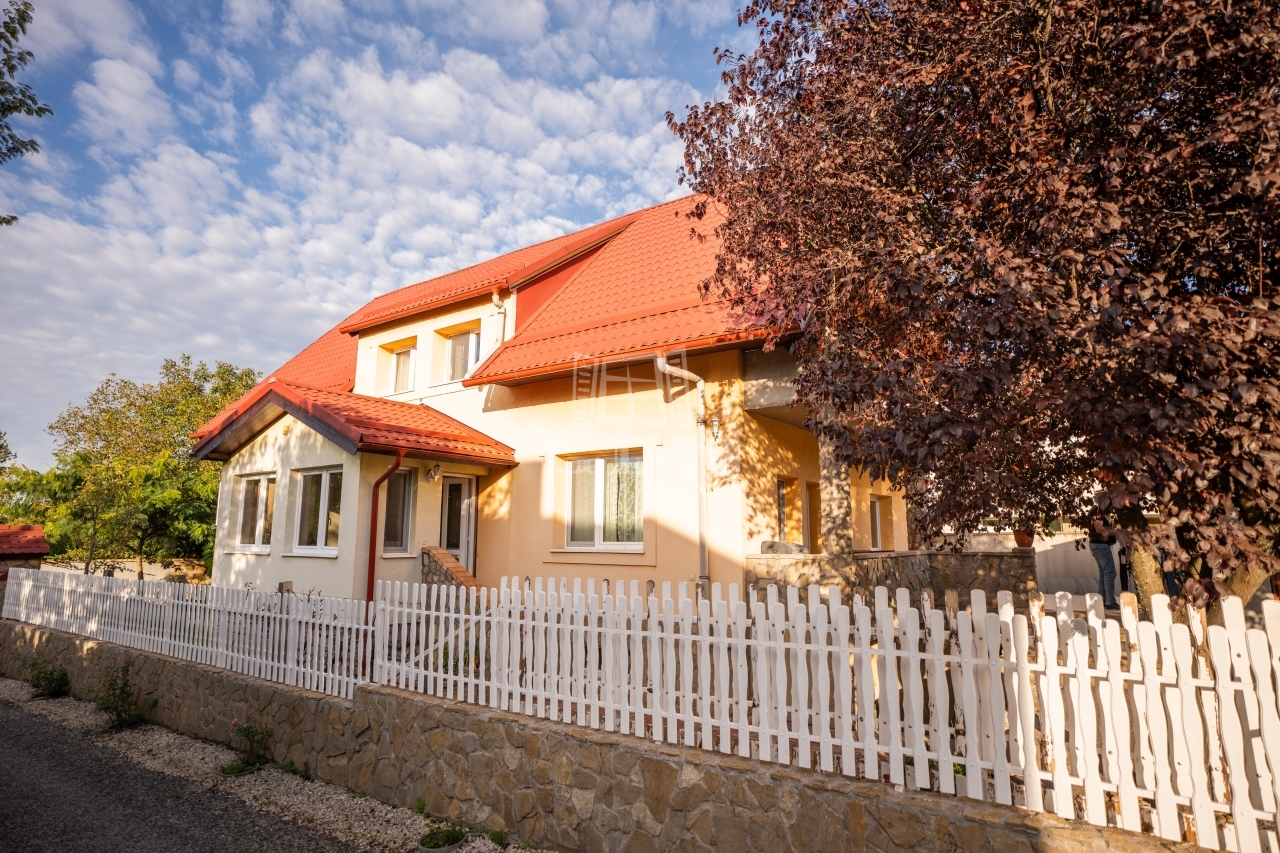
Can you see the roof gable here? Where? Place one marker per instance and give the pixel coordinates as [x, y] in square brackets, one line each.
[354, 422]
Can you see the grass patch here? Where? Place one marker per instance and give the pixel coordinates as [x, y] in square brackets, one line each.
[420, 807]
[237, 768]
[498, 837]
[445, 836]
[289, 767]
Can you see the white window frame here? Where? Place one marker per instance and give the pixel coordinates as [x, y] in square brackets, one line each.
[412, 370]
[410, 505]
[876, 544]
[473, 354]
[257, 547]
[599, 545]
[325, 480]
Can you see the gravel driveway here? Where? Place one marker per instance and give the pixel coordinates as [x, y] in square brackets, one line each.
[61, 792]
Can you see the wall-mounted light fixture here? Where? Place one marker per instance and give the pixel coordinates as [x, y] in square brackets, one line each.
[715, 427]
[434, 473]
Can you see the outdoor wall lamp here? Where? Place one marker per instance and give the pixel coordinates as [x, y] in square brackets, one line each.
[715, 427]
[434, 473]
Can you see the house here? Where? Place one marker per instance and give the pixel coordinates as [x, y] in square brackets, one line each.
[573, 408]
[22, 546]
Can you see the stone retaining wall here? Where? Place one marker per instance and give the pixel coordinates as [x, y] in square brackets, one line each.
[938, 571]
[559, 785]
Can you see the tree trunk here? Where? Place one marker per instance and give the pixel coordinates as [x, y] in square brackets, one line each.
[139, 561]
[1147, 577]
[93, 541]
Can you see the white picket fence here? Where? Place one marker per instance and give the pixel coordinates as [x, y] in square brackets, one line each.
[1151, 726]
[316, 643]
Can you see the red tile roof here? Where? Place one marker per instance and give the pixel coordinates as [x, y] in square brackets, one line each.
[355, 422]
[23, 539]
[639, 295]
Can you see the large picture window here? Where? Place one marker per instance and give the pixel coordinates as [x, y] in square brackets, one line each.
[397, 523]
[605, 502]
[319, 510]
[257, 510]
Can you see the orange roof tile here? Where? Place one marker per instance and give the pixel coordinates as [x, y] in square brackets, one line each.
[26, 539]
[354, 422]
[639, 295]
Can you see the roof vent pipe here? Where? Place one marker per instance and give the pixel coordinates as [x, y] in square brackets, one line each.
[704, 575]
[502, 315]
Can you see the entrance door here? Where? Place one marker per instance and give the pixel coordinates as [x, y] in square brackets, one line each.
[458, 520]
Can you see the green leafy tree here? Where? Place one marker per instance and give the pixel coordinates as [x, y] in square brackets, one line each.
[15, 98]
[5, 453]
[124, 483]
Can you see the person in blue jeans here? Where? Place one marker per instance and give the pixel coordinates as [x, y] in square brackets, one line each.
[1101, 538]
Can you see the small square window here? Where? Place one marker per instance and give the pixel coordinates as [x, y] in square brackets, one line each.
[319, 510]
[257, 511]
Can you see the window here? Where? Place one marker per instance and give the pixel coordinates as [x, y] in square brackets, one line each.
[782, 510]
[402, 365]
[605, 506]
[396, 525]
[875, 524]
[257, 509]
[463, 353]
[319, 510]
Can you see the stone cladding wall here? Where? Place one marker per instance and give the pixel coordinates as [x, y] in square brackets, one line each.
[914, 570]
[562, 786]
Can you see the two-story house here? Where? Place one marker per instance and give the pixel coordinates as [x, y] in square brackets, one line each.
[573, 408]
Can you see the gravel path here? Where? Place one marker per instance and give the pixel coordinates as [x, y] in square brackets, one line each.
[59, 793]
[129, 790]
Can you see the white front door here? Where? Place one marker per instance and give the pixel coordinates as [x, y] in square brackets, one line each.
[458, 519]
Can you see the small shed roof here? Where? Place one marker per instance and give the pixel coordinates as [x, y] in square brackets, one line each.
[24, 539]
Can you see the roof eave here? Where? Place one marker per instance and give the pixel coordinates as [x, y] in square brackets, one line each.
[701, 346]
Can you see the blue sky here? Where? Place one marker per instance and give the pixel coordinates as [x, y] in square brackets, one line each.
[230, 178]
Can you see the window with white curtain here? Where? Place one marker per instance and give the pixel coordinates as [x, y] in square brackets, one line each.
[875, 524]
[257, 511]
[319, 511]
[606, 508]
[464, 352]
[402, 367]
[395, 526]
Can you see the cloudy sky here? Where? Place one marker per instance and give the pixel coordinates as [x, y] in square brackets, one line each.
[229, 178]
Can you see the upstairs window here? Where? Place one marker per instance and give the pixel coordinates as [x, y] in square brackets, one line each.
[875, 525]
[396, 525]
[257, 510]
[463, 353]
[606, 509]
[319, 510]
[402, 367]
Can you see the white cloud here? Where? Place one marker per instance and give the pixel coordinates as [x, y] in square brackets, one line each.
[122, 111]
[246, 21]
[291, 191]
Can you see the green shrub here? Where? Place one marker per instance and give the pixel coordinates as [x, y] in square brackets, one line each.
[251, 740]
[116, 697]
[420, 807]
[48, 680]
[498, 837]
[444, 836]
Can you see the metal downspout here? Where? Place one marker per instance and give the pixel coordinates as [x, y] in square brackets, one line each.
[704, 574]
[373, 521]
